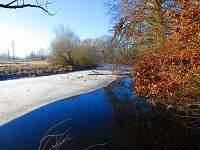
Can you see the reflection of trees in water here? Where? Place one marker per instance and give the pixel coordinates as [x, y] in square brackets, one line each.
[149, 127]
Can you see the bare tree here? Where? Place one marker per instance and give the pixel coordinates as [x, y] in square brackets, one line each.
[63, 46]
[68, 49]
[102, 50]
[18, 4]
[42, 54]
[140, 24]
[85, 55]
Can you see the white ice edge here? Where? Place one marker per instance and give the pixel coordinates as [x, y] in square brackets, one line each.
[18, 97]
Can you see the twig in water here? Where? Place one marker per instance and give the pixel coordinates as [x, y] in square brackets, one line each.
[60, 138]
[95, 145]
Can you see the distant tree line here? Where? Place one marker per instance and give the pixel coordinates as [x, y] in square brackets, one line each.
[5, 57]
[68, 49]
[40, 55]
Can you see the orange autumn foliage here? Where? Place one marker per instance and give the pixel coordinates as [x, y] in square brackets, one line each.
[171, 75]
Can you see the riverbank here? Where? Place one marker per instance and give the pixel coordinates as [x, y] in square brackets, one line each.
[16, 70]
[21, 96]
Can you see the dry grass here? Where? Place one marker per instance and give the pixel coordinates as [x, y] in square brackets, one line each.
[24, 63]
[35, 62]
[30, 69]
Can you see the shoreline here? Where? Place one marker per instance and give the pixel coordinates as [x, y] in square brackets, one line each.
[29, 70]
[21, 96]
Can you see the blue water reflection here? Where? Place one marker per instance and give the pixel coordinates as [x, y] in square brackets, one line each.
[92, 122]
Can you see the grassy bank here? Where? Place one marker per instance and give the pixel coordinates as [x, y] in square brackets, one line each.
[30, 69]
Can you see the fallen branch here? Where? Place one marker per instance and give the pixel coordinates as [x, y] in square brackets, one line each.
[122, 74]
[110, 74]
[91, 74]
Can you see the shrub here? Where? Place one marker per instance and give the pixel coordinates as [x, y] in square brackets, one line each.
[170, 74]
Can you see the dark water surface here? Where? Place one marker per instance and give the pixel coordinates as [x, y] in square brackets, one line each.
[93, 121]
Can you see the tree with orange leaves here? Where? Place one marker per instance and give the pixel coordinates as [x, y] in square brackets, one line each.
[172, 76]
[167, 74]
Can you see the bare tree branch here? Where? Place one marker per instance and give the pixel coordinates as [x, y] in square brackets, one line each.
[15, 4]
[12, 2]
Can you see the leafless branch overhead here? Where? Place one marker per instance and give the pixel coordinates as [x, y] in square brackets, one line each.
[17, 4]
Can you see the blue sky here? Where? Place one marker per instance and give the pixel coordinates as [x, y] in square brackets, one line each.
[32, 29]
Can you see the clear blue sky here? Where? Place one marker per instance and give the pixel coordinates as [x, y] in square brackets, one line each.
[32, 29]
